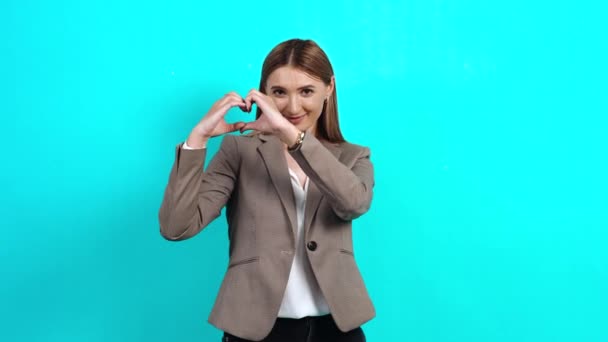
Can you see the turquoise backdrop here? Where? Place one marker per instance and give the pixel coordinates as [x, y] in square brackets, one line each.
[487, 122]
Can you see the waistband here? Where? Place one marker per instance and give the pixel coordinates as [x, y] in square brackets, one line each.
[307, 319]
[325, 322]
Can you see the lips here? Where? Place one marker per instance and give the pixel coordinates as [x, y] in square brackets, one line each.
[295, 119]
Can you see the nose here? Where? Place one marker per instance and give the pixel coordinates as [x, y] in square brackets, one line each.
[293, 107]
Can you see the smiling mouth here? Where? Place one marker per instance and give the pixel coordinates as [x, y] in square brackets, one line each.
[295, 118]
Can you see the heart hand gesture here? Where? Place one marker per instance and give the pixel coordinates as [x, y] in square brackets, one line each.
[271, 121]
[214, 123]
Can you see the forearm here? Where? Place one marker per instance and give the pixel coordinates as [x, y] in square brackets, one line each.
[194, 198]
[348, 187]
[178, 209]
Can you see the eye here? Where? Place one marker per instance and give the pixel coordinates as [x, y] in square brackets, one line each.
[307, 91]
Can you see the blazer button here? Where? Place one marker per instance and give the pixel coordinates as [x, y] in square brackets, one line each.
[311, 245]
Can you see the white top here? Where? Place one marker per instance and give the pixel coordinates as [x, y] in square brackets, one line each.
[302, 297]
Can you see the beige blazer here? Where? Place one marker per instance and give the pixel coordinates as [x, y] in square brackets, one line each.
[249, 176]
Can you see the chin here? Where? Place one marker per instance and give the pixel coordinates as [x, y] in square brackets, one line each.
[303, 127]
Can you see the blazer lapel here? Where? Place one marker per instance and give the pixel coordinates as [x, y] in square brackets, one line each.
[273, 156]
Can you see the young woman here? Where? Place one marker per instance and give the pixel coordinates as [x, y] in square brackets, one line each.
[291, 190]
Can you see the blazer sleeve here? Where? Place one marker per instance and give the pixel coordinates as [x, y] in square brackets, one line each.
[193, 197]
[349, 189]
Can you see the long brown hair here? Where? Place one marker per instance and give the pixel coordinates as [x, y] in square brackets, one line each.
[307, 56]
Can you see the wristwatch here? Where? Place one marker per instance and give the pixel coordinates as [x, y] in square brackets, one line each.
[298, 142]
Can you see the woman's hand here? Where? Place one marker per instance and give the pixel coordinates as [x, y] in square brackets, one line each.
[271, 120]
[214, 123]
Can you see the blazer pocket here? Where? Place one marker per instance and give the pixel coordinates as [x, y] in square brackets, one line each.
[243, 261]
[346, 251]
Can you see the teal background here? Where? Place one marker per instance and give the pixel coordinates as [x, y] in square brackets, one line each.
[487, 125]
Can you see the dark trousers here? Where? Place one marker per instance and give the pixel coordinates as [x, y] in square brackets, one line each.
[306, 329]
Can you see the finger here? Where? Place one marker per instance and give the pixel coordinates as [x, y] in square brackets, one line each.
[248, 126]
[246, 104]
[255, 93]
[222, 102]
[235, 126]
[234, 97]
[261, 101]
[238, 102]
[231, 96]
[238, 125]
[228, 105]
[250, 101]
[243, 106]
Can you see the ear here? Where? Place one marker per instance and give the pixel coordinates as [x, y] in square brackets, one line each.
[332, 85]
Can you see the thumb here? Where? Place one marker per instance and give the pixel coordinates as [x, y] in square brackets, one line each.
[253, 125]
[235, 126]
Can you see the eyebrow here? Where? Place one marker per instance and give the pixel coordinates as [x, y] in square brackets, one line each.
[303, 87]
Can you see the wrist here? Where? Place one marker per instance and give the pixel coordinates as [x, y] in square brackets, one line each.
[298, 143]
[289, 134]
[197, 141]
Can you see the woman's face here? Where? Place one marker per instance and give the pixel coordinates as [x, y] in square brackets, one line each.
[298, 96]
